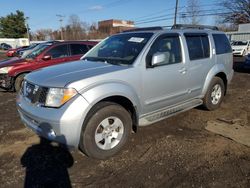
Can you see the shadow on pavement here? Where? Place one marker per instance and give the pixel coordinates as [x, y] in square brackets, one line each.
[46, 165]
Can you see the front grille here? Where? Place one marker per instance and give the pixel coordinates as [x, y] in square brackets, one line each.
[34, 93]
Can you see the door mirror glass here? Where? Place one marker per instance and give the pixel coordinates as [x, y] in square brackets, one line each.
[159, 58]
[47, 57]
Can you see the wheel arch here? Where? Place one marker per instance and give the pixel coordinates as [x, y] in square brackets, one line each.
[217, 71]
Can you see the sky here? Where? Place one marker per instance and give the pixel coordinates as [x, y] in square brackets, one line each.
[42, 14]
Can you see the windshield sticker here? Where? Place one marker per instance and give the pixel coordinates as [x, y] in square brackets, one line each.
[136, 39]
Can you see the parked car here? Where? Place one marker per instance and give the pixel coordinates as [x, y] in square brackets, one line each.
[20, 51]
[240, 48]
[11, 52]
[12, 72]
[5, 46]
[130, 79]
[246, 65]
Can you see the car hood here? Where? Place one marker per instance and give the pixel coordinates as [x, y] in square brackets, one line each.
[12, 62]
[64, 74]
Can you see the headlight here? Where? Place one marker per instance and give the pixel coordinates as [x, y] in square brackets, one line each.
[5, 70]
[56, 97]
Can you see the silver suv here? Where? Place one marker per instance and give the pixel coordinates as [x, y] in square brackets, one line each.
[130, 79]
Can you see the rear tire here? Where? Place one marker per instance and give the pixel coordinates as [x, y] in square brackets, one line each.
[215, 94]
[18, 82]
[106, 130]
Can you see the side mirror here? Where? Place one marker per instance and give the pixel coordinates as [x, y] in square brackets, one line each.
[46, 58]
[158, 58]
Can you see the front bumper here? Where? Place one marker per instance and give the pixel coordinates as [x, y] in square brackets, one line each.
[61, 125]
[238, 53]
[6, 82]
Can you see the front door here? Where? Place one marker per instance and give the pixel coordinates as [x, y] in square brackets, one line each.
[165, 84]
[57, 54]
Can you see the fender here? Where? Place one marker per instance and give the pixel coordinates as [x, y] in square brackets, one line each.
[102, 90]
[217, 68]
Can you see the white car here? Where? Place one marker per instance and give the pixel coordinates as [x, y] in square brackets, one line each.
[240, 48]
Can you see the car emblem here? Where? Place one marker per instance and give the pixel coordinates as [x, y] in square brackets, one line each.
[35, 89]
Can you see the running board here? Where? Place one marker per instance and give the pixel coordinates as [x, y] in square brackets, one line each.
[167, 112]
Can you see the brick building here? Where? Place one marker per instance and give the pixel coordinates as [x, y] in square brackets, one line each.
[114, 26]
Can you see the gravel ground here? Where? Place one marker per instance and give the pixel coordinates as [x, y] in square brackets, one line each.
[177, 152]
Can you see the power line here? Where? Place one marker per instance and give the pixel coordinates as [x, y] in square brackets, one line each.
[107, 5]
[180, 13]
[170, 18]
[172, 8]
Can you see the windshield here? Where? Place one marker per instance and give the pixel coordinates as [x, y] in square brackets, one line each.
[119, 49]
[36, 51]
[239, 43]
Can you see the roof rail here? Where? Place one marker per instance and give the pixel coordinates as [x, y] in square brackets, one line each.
[144, 29]
[189, 26]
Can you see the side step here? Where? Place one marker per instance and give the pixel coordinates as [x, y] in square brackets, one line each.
[167, 112]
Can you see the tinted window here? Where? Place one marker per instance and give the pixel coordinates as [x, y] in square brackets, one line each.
[78, 49]
[198, 46]
[222, 44]
[58, 52]
[170, 46]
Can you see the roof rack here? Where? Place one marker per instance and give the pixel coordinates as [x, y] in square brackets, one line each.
[144, 29]
[189, 26]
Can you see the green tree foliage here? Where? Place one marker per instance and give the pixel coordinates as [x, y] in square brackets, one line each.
[13, 25]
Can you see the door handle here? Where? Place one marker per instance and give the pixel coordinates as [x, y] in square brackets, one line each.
[183, 70]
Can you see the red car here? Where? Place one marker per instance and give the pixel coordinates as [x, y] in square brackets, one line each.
[13, 71]
[12, 51]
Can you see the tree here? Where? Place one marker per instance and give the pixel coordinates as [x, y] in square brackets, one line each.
[13, 25]
[239, 11]
[191, 16]
[76, 29]
[43, 34]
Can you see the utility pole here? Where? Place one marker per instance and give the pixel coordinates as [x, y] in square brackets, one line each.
[61, 21]
[27, 28]
[176, 10]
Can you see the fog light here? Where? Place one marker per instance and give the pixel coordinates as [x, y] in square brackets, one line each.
[51, 134]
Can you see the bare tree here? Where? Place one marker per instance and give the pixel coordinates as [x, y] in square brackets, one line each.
[43, 34]
[76, 29]
[239, 11]
[193, 10]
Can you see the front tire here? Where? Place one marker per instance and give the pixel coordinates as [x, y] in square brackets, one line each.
[106, 130]
[215, 94]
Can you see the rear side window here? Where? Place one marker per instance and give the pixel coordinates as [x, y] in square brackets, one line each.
[58, 51]
[198, 46]
[222, 45]
[79, 49]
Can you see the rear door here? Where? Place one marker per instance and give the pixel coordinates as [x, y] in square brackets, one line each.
[77, 51]
[199, 60]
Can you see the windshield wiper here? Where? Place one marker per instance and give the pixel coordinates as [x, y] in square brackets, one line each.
[113, 61]
[95, 59]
